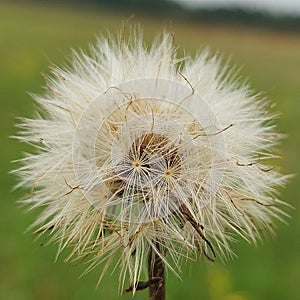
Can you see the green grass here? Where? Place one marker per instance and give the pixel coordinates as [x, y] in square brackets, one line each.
[33, 36]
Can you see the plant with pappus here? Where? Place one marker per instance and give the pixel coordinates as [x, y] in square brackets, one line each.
[145, 158]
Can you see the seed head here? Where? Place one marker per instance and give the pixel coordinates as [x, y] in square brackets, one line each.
[137, 149]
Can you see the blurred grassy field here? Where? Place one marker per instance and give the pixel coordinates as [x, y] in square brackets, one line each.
[31, 37]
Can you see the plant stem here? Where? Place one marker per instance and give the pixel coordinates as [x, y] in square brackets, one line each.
[156, 270]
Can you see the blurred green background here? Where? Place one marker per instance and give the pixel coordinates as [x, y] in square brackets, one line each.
[32, 36]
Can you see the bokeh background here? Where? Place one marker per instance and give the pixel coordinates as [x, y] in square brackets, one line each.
[35, 34]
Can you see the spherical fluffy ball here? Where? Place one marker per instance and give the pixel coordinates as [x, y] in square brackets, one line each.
[137, 149]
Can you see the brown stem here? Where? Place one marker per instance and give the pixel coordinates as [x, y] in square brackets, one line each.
[156, 271]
